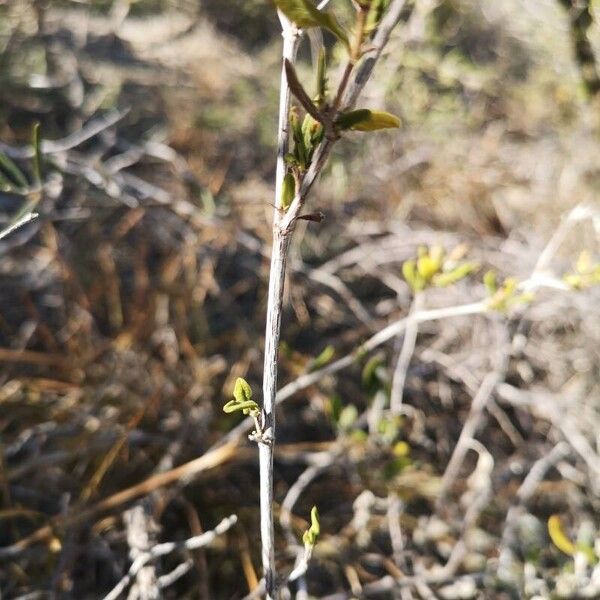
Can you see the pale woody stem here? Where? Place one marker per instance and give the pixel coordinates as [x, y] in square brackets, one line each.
[273, 326]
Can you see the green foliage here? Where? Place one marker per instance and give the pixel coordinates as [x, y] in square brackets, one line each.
[322, 81]
[347, 418]
[37, 154]
[374, 374]
[11, 177]
[312, 533]
[299, 92]
[376, 10]
[585, 274]
[306, 136]
[364, 119]
[334, 408]
[433, 268]
[242, 399]
[507, 296]
[388, 428]
[305, 15]
[288, 191]
[323, 358]
[564, 544]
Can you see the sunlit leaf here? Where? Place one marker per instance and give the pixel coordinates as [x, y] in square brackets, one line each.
[364, 119]
[312, 533]
[299, 92]
[321, 97]
[456, 274]
[306, 15]
[246, 407]
[37, 154]
[324, 357]
[288, 191]
[558, 536]
[12, 171]
[242, 391]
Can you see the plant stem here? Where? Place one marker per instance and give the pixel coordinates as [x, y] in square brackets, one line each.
[273, 326]
[355, 52]
[283, 228]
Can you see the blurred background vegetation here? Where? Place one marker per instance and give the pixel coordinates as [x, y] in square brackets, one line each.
[129, 307]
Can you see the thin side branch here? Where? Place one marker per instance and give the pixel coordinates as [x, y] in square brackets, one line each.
[159, 550]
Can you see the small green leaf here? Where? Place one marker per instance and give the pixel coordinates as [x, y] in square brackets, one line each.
[312, 134]
[300, 151]
[312, 533]
[242, 391]
[364, 119]
[11, 169]
[299, 92]
[334, 408]
[348, 417]
[37, 154]
[306, 15]
[414, 280]
[290, 159]
[247, 406]
[376, 10]
[490, 282]
[370, 373]
[456, 274]
[558, 536]
[324, 357]
[427, 267]
[321, 97]
[288, 191]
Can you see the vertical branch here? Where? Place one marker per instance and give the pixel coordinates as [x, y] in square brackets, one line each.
[283, 228]
[273, 326]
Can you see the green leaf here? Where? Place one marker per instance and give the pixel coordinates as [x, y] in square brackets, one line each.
[37, 154]
[312, 533]
[246, 406]
[334, 408]
[456, 274]
[376, 10]
[490, 282]
[288, 191]
[324, 357]
[312, 134]
[11, 169]
[370, 378]
[413, 278]
[321, 97]
[348, 417]
[242, 391]
[306, 15]
[300, 150]
[364, 119]
[299, 91]
[427, 267]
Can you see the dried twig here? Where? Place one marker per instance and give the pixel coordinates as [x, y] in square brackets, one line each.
[159, 550]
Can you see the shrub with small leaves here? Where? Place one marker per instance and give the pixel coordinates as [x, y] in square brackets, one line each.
[433, 268]
[242, 399]
[564, 544]
[585, 274]
[506, 296]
